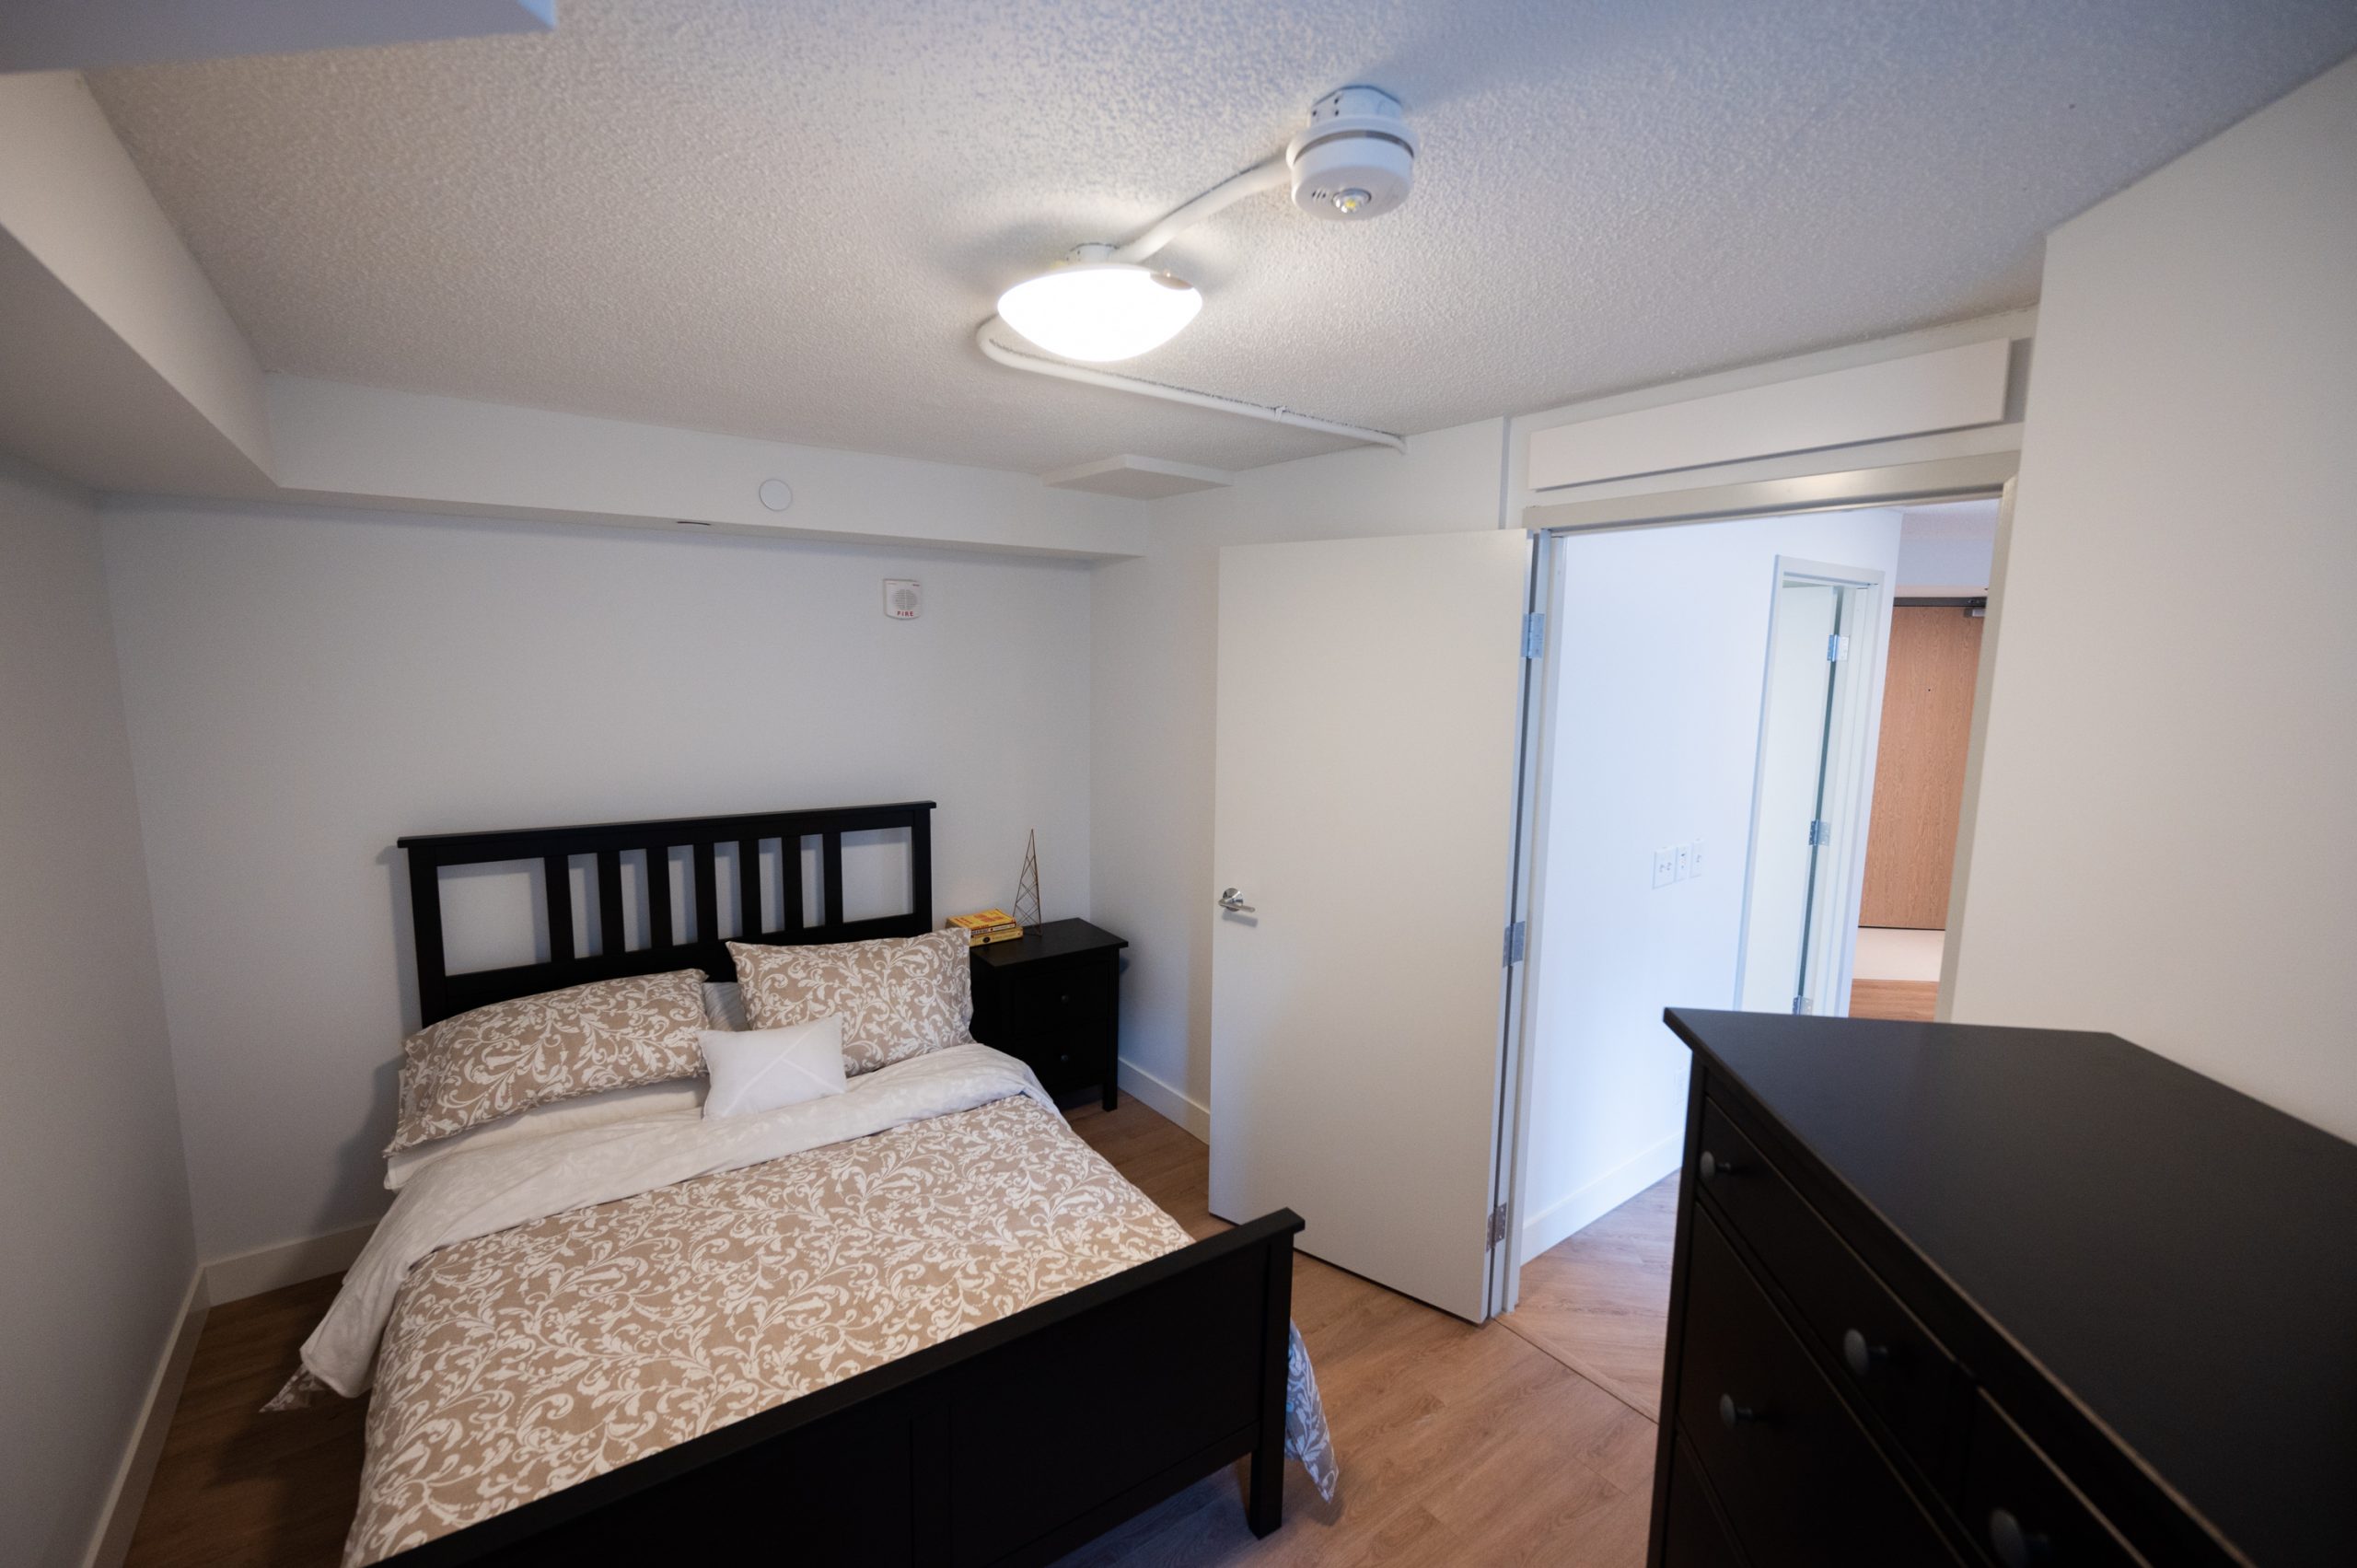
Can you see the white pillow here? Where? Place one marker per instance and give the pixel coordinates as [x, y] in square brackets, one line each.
[679, 1096]
[724, 1005]
[758, 1070]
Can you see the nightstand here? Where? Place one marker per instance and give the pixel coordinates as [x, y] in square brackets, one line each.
[1052, 996]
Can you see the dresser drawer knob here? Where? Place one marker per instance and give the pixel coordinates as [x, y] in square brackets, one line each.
[1713, 1167]
[2015, 1547]
[1732, 1415]
[1860, 1354]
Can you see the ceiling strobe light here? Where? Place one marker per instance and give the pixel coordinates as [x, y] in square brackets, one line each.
[1095, 310]
[1356, 159]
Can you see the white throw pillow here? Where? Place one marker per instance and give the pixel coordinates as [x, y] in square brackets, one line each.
[758, 1070]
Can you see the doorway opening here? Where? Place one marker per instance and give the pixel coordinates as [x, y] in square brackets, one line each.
[1714, 713]
[1945, 553]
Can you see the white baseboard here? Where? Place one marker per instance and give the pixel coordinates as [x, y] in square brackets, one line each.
[1171, 1105]
[1577, 1210]
[289, 1262]
[110, 1543]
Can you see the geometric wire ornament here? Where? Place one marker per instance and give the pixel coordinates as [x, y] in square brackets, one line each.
[1027, 885]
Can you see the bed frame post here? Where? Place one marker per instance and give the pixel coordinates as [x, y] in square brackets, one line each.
[1266, 1509]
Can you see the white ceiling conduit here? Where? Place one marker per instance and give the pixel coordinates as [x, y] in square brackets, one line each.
[1355, 161]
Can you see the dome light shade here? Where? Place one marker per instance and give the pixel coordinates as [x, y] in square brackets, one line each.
[1098, 311]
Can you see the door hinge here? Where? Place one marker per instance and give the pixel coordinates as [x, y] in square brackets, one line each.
[1534, 635]
[1801, 1003]
[1820, 832]
[1837, 647]
[1517, 937]
[1499, 1218]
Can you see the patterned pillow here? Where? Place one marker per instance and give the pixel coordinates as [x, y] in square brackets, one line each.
[898, 996]
[511, 1056]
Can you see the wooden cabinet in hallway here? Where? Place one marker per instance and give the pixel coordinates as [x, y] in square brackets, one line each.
[1919, 768]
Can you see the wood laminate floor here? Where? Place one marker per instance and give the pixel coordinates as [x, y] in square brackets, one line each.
[1523, 1441]
[1598, 1301]
[1908, 1000]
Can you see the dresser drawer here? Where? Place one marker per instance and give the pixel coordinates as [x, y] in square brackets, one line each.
[1802, 1482]
[2020, 1511]
[1695, 1538]
[1884, 1356]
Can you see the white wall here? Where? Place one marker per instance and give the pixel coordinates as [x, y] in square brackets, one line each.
[71, 196]
[1948, 550]
[93, 1207]
[1658, 654]
[1154, 648]
[2162, 845]
[304, 688]
[341, 444]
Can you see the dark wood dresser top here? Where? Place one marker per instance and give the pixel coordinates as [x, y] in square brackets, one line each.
[2177, 1257]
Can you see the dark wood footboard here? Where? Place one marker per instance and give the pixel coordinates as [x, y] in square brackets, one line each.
[1009, 1444]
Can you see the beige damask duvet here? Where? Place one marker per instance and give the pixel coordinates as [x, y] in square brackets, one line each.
[516, 1357]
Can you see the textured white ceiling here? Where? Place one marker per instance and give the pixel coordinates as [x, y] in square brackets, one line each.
[1975, 520]
[784, 220]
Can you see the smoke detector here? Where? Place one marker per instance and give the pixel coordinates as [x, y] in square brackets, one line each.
[1356, 159]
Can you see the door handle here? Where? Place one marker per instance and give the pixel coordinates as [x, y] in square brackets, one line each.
[1232, 902]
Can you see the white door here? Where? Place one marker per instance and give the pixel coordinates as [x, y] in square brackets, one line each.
[1369, 734]
[1813, 787]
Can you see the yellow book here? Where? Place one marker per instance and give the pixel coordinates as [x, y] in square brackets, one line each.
[988, 925]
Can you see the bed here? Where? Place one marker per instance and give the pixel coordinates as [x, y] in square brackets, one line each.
[918, 1322]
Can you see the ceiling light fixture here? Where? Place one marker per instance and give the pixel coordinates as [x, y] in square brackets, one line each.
[1097, 309]
[1355, 161]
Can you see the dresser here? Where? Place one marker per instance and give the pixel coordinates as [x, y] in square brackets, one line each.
[1953, 1294]
[1052, 996]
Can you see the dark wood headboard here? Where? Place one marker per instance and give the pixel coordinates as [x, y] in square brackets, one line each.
[441, 995]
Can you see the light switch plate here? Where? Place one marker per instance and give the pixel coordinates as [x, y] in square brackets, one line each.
[1685, 861]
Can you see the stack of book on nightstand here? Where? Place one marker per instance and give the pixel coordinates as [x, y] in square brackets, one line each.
[990, 926]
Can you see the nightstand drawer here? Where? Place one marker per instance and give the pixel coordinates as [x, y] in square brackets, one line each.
[1064, 1017]
[1880, 1354]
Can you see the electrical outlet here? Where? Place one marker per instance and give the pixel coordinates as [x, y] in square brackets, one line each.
[1685, 861]
[1665, 867]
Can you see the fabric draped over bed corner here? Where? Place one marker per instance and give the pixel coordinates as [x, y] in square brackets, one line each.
[535, 1315]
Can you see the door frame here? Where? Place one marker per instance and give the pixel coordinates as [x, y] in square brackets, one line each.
[1852, 726]
[1896, 485]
